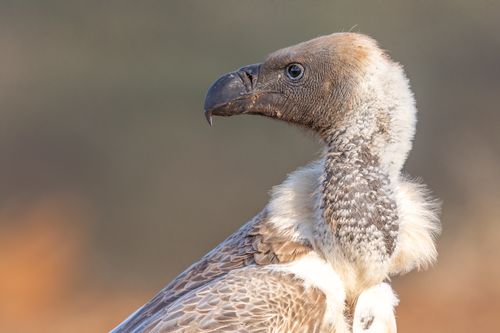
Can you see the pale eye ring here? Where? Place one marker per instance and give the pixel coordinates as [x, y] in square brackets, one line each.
[294, 71]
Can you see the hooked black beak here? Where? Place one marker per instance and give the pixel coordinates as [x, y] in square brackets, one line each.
[232, 93]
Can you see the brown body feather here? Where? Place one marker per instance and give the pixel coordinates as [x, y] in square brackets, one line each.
[256, 243]
[240, 302]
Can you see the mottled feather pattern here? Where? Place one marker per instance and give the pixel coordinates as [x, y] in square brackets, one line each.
[358, 202]
[276, 246]
[250, 299]
[256, 243]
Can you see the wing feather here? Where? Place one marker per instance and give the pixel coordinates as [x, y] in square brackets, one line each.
[251, 299]
[256, 243]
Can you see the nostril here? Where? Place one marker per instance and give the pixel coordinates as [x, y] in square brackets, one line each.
[246, 80]
[250, 78]
[249, 75]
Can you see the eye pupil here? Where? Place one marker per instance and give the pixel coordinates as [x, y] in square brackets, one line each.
[294, 71]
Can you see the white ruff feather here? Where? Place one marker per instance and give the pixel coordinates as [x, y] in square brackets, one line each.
[317, 273]
[419, 227]
[375, 310]
[292, 209]
[293, 203]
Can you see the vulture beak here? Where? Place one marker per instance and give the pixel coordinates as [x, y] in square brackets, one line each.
[233, 93]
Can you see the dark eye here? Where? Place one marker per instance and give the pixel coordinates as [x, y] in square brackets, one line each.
[294, 71]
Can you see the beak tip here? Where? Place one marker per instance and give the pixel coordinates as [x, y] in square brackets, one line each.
[208, 116]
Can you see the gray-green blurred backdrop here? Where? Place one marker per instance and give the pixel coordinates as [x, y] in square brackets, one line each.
[101, 130]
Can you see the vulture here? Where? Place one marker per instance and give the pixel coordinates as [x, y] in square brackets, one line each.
[320, 255]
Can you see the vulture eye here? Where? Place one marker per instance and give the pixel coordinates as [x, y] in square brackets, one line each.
[294, 71]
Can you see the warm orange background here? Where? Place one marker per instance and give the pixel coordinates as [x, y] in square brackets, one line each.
[111, 182]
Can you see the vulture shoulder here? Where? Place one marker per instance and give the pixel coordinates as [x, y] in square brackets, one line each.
[257, 243]
[250, 299]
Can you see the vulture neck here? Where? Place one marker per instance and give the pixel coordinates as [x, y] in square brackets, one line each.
[359, 220]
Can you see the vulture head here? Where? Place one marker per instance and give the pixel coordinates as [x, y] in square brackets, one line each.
[341, 86]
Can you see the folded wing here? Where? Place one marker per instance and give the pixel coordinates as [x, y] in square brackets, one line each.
[251, 299]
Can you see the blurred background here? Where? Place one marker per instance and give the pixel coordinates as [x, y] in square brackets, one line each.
[111, 182]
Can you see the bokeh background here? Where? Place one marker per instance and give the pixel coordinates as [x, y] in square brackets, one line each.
[111, 182]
